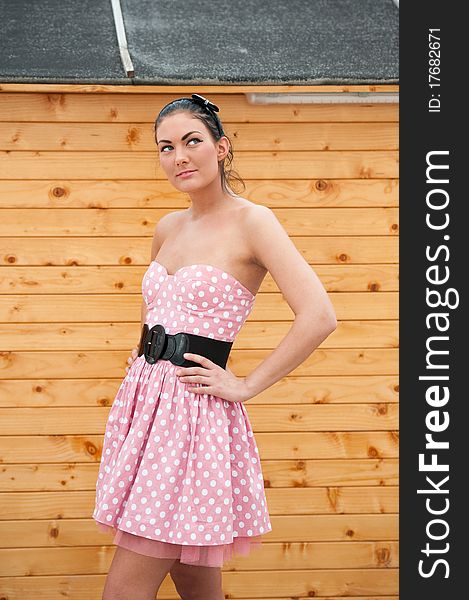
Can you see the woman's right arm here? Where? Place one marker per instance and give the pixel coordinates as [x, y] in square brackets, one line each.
[143, 313]
[161, 231]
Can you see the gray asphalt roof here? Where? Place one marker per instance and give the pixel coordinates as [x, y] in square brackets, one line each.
[201, 41]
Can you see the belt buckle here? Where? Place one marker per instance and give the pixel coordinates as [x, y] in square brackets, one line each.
[181, 345]
[154, 343]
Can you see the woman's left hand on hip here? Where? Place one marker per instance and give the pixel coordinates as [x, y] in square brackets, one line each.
[216, 380]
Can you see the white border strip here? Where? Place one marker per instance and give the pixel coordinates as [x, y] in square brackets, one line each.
[324, 98]
[121, 38]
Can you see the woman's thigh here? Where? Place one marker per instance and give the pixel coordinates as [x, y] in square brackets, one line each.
[136, 576]
[197, 583]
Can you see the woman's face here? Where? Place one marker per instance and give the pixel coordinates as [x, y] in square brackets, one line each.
[185, 144]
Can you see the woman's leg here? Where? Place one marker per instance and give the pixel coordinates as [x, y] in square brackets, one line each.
[197, 583]
[135, 576]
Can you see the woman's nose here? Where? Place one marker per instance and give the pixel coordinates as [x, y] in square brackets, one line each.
[179, 156]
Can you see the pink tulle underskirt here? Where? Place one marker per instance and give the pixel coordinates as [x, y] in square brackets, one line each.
[202, 556]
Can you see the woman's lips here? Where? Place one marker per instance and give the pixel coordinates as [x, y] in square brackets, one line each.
[185, 174]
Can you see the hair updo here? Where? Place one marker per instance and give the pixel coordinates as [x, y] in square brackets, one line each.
[209, 117]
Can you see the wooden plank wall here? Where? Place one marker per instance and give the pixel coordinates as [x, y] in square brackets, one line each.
[80, 194]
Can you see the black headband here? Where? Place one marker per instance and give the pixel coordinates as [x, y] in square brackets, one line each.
[210, 107]
[205, 102]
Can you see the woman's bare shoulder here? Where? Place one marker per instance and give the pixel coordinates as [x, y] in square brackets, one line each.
[251, 210]
[164, 227]
[169, 221]
[257, 214]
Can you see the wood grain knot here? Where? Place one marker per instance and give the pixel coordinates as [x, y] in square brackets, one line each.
[320, 185]
[383, 556]
[58, 191]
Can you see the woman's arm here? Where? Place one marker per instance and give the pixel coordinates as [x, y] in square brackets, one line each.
[159, 234]
[315, 318]
[162, 229]
[143, 313]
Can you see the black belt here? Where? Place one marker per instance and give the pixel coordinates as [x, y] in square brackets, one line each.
[156, 344]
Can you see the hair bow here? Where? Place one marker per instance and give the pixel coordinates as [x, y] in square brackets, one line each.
[205, 103]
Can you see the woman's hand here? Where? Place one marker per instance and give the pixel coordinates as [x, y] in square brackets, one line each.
[215, 379]
[131, 358]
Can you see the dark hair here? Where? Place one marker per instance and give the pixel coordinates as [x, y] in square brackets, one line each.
[213, 124]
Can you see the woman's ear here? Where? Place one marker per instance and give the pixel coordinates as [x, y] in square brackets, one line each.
[223, 147]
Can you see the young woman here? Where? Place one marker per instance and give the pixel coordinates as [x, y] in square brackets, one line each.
[180, 480]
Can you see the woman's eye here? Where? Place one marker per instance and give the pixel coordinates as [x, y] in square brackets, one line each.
[191, 140]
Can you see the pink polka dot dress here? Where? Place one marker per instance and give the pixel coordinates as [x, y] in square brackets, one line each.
[180, 474]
